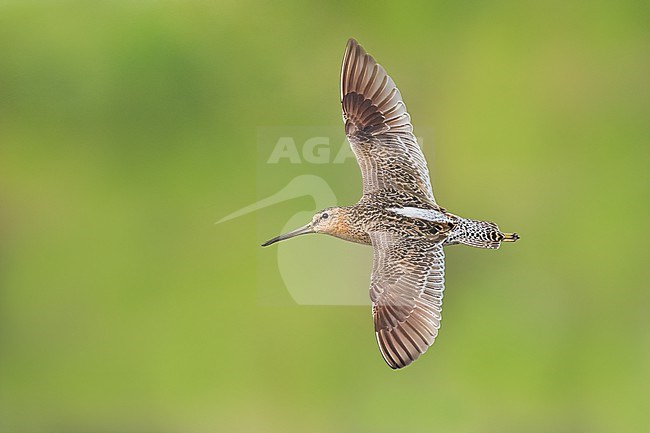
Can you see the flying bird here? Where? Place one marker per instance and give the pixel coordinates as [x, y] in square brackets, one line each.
[397, 213]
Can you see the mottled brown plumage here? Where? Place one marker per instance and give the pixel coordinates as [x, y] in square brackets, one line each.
[397, 213]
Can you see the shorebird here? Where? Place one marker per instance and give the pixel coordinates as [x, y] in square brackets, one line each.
[397, 213]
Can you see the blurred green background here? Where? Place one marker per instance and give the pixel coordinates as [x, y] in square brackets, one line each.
[128, 128]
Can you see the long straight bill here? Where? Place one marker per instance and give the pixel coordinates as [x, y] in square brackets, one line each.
[297, 232]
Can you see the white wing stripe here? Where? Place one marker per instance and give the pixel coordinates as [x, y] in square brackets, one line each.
[424, 214]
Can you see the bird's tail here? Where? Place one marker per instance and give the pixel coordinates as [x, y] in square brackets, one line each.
[480, 234]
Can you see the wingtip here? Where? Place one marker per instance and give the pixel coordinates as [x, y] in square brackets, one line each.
[354, 45]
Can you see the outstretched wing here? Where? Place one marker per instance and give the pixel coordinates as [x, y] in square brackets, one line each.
[379, 128]
[406, 289]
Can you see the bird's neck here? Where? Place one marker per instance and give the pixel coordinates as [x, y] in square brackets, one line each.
[348, 228]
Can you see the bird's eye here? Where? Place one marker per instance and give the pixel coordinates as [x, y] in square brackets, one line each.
[324, 216]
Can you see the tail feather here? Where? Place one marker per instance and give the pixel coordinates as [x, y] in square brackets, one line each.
[510, 237]
[480, 234]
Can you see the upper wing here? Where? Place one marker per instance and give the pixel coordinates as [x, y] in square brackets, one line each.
[379, 128]
[406, 289]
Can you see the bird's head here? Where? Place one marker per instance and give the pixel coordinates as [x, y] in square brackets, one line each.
[324, 221]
